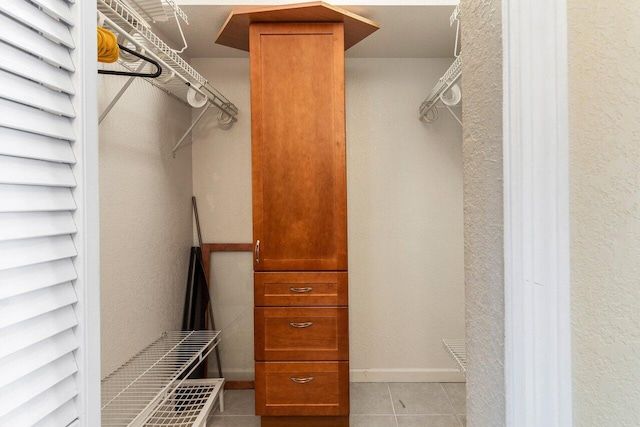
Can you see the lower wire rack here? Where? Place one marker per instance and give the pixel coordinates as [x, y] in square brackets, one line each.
[131, 394]
[457, 349]
[189, 404]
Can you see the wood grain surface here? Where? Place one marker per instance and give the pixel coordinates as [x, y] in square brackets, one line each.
[277, 394]
[301, 289]
[298, 147]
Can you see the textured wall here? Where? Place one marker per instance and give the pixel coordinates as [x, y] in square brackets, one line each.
[483, 210]
[604, 119]
[405, 219]
[145, 218]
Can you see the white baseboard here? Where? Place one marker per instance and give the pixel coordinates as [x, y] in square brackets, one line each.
[406, 376]
[367, 375]
[232, 374]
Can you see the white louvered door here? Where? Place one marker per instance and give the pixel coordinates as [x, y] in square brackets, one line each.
[39, 287]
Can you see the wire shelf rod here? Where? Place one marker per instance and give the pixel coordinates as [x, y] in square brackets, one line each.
[158, 10]
[125, 23]
[454, 15]
[129, 20]
[450, 77]
[117, 28]
[428, 108]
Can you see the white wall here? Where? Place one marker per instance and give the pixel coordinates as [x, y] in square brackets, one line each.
[222, 185]
[405, 220]
[404, 177]
[483, 211]
[604, 120]
[145, 218]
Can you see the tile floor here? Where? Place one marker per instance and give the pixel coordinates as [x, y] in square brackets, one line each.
[372, 405]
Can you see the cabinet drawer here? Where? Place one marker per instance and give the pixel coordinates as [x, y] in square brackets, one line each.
[300, 289]
[302, 388]
[301, 333]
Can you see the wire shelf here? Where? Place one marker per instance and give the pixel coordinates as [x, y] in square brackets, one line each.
[132, 392]
[429, 108]
[158, 10]
[457, 349]
[178, 77]
[189, 404]
[452, 74]
[454, 15]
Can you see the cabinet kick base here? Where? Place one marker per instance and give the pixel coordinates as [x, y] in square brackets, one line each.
[305, 422]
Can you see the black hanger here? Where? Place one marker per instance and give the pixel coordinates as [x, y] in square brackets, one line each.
[132, 74]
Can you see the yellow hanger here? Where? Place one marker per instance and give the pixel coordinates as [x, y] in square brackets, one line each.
[108, 50]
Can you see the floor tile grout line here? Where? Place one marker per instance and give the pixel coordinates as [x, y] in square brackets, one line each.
[375, 415]
[391, 398]
[231, 416]
[423, 415]
[451, 404]
[215, 413]
[393, 408]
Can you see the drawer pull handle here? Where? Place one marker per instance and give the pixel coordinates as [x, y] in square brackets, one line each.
[301, 325]
[300, 290]
[302, 380]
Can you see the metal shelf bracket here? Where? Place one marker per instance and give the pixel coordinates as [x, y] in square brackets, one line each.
[188, 131]
[225, 120]
[121, 92]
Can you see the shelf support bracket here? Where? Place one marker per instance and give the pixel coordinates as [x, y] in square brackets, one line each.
[121, 92]
[455, 116]
[173, 152]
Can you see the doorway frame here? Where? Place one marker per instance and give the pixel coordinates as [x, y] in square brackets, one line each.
[536, 214]
[537, 316]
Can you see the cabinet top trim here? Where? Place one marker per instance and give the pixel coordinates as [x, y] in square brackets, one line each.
[235, 31]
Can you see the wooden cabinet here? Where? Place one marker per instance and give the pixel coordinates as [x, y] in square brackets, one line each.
[298, 147]
[299, 206]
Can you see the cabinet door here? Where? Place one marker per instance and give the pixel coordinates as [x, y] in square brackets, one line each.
[298, 147]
